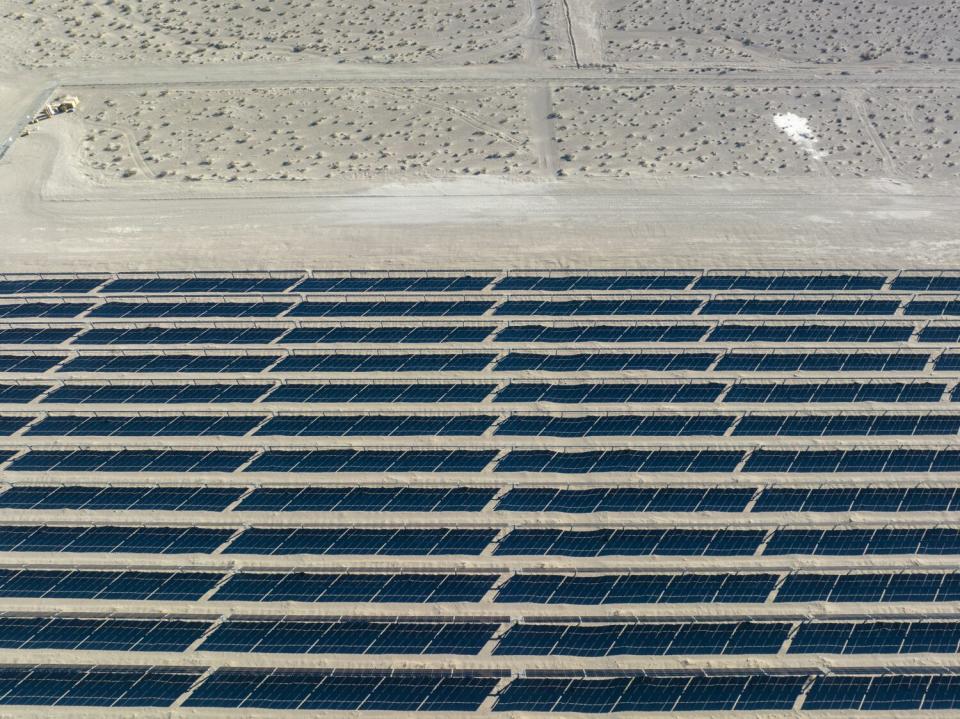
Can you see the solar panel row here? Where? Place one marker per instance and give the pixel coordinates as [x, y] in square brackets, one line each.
[563, 283]
[304, 308]
[757, 460]
[247, 282]
[670, 306]
[148, 285]
[464, 460]
[475, 362]
[598, 393]
[472, 542]
[726, 499]
[181, 335]
[341, 425]
[211, 499]
[726, 693]
[284, 689]
[694, 305]
[638, 588]
[106, 634]
[689, 333]
[475, 499]
[412, 636]
[349, 637]
[730, 638]
[344, 690]
[727, 542]
[725, 333]
[94, 686]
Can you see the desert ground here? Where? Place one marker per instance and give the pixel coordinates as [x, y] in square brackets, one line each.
[564, 131]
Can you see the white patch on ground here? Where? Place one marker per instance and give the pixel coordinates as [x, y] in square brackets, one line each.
[798, 130]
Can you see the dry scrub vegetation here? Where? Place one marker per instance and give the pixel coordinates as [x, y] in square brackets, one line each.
[636, 131]
[385, 133]
[50, 33]
[308, 134]
[821, 31]
[920, 129]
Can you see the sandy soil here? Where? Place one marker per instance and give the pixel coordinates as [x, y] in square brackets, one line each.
[597, 132]
[62, 32]
[918, 129]
[818, 31]
[668, 130]
[679, 130]
[391, 132]
[315, 133]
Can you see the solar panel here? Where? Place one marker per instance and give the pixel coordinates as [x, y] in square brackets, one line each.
[95, 686]
[386, 335]
[365, 499]
[800, 306]
[394, 542]
[288, 636]
[644, 639]
[210, 499]
[609, 361]
[404, 393]
[610, 392]
[224, 284]
[626, 499]
[597, 307]
[561, 283]
[128, 460]
[812, 373]
[47, 285]
[140, 540]
[180, 336]
[614, 426]
[157, 426]
[376, 425]
[167, 363]
[115, 309]
[603, 333]
[354, 587]
[371, 461]
[462, 283]
[620, 461]
[932, 283]
[810, 333]
[384, 363]
[651, 693]
[42, 309]
[832, 282]
[637, 588]
[823, 362]
[36, 335]
[392, 308]
[155, 393]
[303, 689]
[109, 634]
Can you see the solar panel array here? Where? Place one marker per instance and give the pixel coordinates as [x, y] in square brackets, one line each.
[636, 491]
